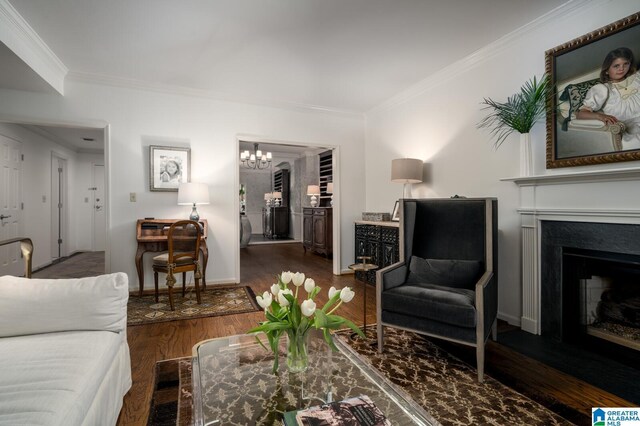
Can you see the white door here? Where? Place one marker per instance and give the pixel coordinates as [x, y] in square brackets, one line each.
[10, 164]
[99, 222]
[58, 206]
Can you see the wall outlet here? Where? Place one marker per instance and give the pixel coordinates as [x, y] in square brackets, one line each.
[132, 197]
[86, 199]
[44, 198]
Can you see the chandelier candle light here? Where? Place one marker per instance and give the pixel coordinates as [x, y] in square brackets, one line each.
[295, 313]
[257, 160]
[313, 191]
[191, 193]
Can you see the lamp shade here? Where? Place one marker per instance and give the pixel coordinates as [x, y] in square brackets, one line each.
[277, 194]
[313, 190]
[330, 188]
[193, 193]
[406, 170]
[268, 195]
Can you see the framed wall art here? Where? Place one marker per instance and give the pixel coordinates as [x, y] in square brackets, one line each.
[168, 167]
[579, 77]
[395, 216]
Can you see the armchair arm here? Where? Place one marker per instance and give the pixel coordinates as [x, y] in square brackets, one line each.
[391, 276]
[487, 301]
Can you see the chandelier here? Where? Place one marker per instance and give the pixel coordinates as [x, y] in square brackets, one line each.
[257, 160]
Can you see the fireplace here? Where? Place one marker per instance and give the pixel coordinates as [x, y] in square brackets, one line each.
[590, 286]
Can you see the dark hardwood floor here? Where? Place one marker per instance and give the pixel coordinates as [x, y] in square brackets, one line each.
[259, 264]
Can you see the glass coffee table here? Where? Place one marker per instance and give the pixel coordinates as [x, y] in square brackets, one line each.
[233, 383]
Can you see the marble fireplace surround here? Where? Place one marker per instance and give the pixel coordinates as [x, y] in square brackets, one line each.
[598, 197]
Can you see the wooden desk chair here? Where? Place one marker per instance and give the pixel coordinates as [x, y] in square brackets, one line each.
[183, 256]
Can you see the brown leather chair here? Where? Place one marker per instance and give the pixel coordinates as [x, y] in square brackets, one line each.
[183, 256]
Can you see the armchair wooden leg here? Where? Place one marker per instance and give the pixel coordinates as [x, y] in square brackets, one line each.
[480, 360]
[184, 282]
[155, 281]
[494, 330]
[380, 338]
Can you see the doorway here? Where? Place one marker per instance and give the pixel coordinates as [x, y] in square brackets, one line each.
[302, 163]
[55, 193]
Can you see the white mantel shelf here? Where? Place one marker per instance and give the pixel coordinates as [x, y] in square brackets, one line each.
[577, 177]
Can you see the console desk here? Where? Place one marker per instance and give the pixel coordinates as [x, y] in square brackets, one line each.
[152, 237]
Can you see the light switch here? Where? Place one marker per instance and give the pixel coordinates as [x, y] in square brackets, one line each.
[132, 197]
[44, 198]
[86, 199]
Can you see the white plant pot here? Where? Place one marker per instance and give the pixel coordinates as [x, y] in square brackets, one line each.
[526, 158]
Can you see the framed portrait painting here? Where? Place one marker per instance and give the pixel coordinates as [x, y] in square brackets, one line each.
[581, 129]
[168, 167]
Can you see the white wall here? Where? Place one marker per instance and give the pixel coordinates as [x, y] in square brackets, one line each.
[436, 122]
[36, 193]
[139, 118]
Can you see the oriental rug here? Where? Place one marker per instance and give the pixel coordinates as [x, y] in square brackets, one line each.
[445, 386]
[216, 301]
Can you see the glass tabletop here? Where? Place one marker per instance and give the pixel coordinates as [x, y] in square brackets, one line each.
[233, 383]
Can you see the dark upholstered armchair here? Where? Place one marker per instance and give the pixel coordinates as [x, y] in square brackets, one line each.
[446, 284]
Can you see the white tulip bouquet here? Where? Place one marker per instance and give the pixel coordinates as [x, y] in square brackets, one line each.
[285, 314]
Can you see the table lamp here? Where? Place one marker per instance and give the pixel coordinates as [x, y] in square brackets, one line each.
[406, 171]
[191, 193]
[313, 191]
[277, 197]
[330, 191]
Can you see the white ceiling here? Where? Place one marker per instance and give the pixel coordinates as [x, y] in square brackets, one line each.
[74, 138]
[346, 55]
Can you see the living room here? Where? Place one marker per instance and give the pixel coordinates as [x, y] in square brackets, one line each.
[432, 114]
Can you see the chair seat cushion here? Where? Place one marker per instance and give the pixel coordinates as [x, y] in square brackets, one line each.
[163, 259]
[449, 305]
[445, 272]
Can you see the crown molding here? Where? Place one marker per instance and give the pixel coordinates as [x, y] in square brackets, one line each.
[482, 55]
[18, 36]
[107, 80]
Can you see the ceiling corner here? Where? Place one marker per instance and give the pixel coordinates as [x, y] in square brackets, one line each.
[26, 44]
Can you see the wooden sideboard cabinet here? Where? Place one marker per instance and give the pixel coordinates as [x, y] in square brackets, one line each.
[380, 240]
[275, 222]
[317, 224]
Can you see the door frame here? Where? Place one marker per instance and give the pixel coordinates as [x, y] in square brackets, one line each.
[63, 219]
[335, 149]
[93, 210]
[90, 124]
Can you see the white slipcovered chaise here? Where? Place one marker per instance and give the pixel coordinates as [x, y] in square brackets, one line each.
[64, 358]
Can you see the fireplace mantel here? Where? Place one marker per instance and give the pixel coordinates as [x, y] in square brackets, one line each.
[577, 177]
[602, 196]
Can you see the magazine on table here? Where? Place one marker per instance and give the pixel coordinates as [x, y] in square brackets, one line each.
[356, 411]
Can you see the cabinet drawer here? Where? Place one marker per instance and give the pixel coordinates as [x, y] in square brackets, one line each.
[307, 211]
[319, 212]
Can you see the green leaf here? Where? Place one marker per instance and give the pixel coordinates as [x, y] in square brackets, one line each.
[329, 339]
[331, 301]
[321, 319]
[519, 113]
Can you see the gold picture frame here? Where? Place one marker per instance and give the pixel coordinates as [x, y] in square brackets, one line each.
[572, 67]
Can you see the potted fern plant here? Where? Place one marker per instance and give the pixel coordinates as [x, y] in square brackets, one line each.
[518, 114]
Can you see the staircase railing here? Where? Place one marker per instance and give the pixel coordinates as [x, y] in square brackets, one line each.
[26, 246]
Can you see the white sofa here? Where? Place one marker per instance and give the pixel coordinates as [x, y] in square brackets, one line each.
[64, 358]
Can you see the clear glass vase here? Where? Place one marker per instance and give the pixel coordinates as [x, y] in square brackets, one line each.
[297, 352]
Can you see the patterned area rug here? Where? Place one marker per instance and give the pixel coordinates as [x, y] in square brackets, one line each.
[215, 301]
[445, 386]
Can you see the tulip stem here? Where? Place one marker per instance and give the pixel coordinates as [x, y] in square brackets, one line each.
[335, 307]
